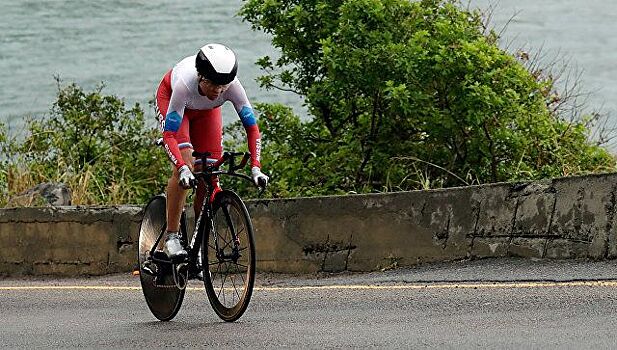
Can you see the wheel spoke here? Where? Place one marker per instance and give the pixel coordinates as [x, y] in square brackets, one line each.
[226, 278]
[235, 288]
[219, 294]
[223, 278]
[221, 237]
[227, 243]
[238, 264]
[218, 272]
[241, 275]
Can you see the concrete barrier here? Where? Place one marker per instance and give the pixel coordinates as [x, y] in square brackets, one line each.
[68, 240]
[563, 218]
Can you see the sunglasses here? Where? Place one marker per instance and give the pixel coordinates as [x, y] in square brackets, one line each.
[217, 87]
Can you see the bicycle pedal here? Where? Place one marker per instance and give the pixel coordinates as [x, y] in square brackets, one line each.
[149, 268]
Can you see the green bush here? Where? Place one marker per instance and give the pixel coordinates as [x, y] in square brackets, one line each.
[92, 142]
[406, 95]
[4, 149]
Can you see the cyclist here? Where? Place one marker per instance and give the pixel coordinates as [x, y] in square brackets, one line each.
[188, 106]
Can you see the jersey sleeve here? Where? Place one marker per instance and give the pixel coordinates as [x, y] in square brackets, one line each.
[173, 119]
[237, 96]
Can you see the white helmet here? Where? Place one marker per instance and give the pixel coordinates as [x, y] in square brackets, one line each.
[217, 63]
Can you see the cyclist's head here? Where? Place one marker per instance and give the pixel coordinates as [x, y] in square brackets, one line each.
[217, 63]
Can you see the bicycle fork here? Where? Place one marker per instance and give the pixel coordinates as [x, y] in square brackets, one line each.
[235, 240]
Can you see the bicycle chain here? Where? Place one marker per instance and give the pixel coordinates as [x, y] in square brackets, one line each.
[165, 286]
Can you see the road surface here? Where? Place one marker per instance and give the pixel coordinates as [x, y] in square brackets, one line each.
[495, 304]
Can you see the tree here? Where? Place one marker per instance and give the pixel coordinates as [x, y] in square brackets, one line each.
[406, 95]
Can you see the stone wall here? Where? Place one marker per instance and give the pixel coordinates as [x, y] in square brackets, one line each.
[559, 219]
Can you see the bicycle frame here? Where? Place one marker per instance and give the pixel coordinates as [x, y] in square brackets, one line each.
[221, 251]
[206, 225]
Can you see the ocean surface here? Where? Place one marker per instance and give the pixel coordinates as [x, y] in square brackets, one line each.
[127, 44]
[130, 44]
[579, 33]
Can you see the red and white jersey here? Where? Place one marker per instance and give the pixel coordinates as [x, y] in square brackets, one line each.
[181, 88]
[185, 91]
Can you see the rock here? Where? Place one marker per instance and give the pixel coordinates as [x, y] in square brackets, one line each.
[47, 193]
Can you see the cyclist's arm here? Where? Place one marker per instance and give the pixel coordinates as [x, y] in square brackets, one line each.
[237, 95]
[173, 119]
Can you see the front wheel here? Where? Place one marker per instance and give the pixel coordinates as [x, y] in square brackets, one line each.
[228, 257]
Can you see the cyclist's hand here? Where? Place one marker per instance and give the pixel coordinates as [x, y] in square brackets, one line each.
[259, 178]
[187, 180]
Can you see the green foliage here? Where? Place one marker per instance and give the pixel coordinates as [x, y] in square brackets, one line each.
[406, 95]
[291, 157]
[92, 142]
[4, 148]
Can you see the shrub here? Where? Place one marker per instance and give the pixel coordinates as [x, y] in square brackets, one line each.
[406, 95]
[92, 142]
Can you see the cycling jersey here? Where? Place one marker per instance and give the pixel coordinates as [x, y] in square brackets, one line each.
[180, 107]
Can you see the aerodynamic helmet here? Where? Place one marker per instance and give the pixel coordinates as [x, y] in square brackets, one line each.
[217, 63]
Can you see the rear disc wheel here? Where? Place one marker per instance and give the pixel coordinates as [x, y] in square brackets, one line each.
[162, 295]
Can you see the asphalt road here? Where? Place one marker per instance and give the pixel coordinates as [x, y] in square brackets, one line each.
[494, 304]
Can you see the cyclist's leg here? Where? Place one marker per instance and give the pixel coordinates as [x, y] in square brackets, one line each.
[206, 132]
[176, 195]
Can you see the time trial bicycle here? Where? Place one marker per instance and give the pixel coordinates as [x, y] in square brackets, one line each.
[221, 251]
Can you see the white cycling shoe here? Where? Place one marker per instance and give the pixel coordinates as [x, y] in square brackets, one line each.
[173, 248]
